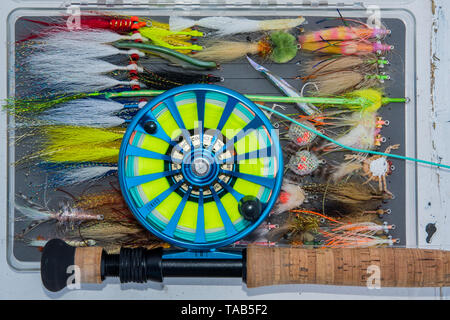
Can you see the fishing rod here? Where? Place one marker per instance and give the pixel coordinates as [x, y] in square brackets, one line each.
[257, 266]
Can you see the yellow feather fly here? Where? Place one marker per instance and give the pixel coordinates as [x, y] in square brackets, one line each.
[79, 144]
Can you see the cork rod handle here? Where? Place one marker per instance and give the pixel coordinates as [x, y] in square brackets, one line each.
[393, 267]
[89, 262]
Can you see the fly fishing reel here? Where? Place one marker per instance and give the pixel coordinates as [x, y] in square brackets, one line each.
[200, 166]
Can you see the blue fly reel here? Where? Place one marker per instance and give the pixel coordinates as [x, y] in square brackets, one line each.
[200, 166]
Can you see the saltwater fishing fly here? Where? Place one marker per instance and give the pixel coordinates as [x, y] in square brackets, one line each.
[66, 217]
[227, 25]
[145, 31]
[304, 163]
[278, 46]
[344, 33]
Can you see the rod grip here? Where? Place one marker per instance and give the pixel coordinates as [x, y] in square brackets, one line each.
[89, 260]
[396, 267]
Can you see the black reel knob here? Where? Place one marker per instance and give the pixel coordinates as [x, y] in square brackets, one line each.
[250, 208]
[150, 127]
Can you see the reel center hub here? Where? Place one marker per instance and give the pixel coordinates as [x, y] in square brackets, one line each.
[200, 167]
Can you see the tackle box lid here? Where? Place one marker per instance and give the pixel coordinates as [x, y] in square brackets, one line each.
[234, 3]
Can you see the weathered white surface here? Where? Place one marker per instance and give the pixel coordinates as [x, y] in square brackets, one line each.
[433, 187]
[434, 132]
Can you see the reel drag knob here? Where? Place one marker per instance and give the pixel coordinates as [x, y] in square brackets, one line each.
[150, 127]
[250, 208]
